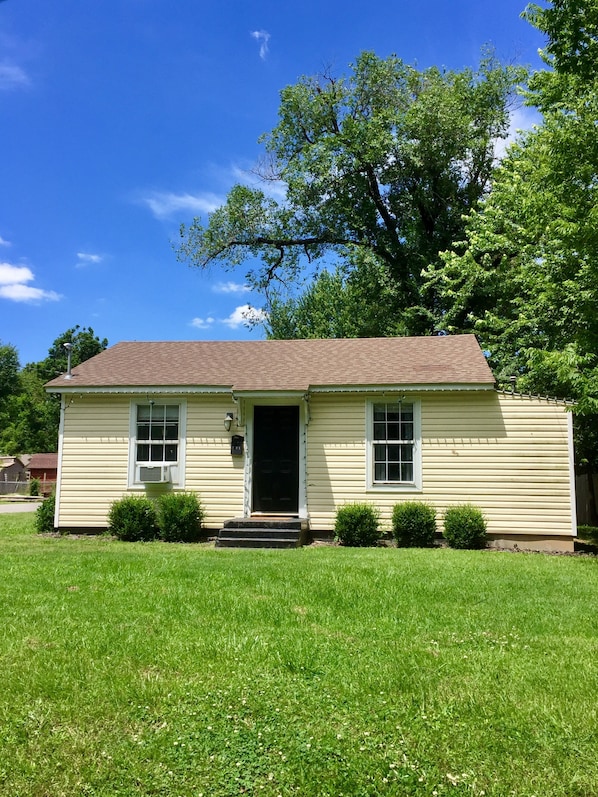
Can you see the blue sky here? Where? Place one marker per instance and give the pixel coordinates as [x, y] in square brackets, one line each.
[121, 119]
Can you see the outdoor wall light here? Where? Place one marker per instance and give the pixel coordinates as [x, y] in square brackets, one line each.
[228, 421]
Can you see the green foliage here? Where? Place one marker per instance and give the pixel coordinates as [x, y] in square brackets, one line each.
[465, 527]
[411, 152]
[180, 517]
[44, 515]
[133, 518]
[589, 533]
[9, 369]
[414, 524]
[34, 487]
[29, 416]
[356, 525]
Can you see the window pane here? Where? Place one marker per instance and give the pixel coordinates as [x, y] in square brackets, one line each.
[407, 412]
[379, 431]
[157, 453]
[406, 431]
[143, 453]
[393, 472]
[393, 453]
[406, 453]
[393, 431]
[379, 453]
[407, 472]
[392, 412]
[170, 452]
[172, 412]
[158, 412]
[172, 431]
[157, 432]
[142, 431]
[379, 412]
[143, 413]
[380, 472]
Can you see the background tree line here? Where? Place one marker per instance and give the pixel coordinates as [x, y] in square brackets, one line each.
[29, 416]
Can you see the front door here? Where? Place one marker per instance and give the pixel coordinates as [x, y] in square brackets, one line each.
[276, 460]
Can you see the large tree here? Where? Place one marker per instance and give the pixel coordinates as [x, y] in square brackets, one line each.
[380, 165]
[525, 277]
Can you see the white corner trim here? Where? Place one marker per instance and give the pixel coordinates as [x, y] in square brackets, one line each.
[59, 463]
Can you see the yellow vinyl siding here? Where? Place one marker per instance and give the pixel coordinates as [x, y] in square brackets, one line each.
[507, 454]
[95, 451]
[95, 460]
[211, 471]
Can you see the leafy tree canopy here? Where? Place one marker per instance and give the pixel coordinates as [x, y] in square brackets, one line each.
[29, 417]
[379, 165]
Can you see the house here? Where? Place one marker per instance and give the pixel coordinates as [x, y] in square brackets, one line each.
[43, 467]
[12, 474]
[297, 428]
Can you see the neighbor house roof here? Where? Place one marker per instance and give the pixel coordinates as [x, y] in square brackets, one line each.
[284, 365]
[43, 462]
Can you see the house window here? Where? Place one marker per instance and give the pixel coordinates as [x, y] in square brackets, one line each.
[393, 437]
[157, 433]
[157, 443]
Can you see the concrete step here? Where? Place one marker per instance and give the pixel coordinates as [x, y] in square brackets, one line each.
[257, 542]
[263, 532]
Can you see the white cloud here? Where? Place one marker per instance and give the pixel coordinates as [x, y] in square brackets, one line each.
[12, 77]
[85, 259]
[202, 323]
[230, 287]
[164, 204]
[3, 242]
[13, 285]
[244, 315]
[10, 275]
[263, 37]
[25, 293]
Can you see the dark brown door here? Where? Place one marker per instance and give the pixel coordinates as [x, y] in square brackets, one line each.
[276, 460]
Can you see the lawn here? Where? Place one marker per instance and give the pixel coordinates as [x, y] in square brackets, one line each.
[172, 670]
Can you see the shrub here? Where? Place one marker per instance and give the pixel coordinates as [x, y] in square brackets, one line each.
[357, 525]
[133, 518]
[44, 515]
[180, 516]
[34, 486]
[414, 524]
[465, 527]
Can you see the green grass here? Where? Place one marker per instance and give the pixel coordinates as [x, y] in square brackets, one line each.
[156, 669]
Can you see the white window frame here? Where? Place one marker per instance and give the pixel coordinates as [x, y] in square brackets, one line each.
[412, 486]
[176, 470]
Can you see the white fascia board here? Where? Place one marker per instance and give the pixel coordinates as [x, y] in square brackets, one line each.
[269, 394]
[142, 390]
[400, 388]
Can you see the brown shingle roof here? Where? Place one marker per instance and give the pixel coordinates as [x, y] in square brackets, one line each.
[43, 462]
[285, 364]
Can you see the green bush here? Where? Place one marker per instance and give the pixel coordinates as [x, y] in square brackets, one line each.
[133, 518]
[44, 515]
[180, 516]
[357, 525]
[465, 527]
[34, 487]
[414, 524]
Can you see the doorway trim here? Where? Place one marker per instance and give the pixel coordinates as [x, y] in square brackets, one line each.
[264, 399]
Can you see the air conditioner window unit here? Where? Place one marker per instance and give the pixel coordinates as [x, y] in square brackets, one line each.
[154, 474]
